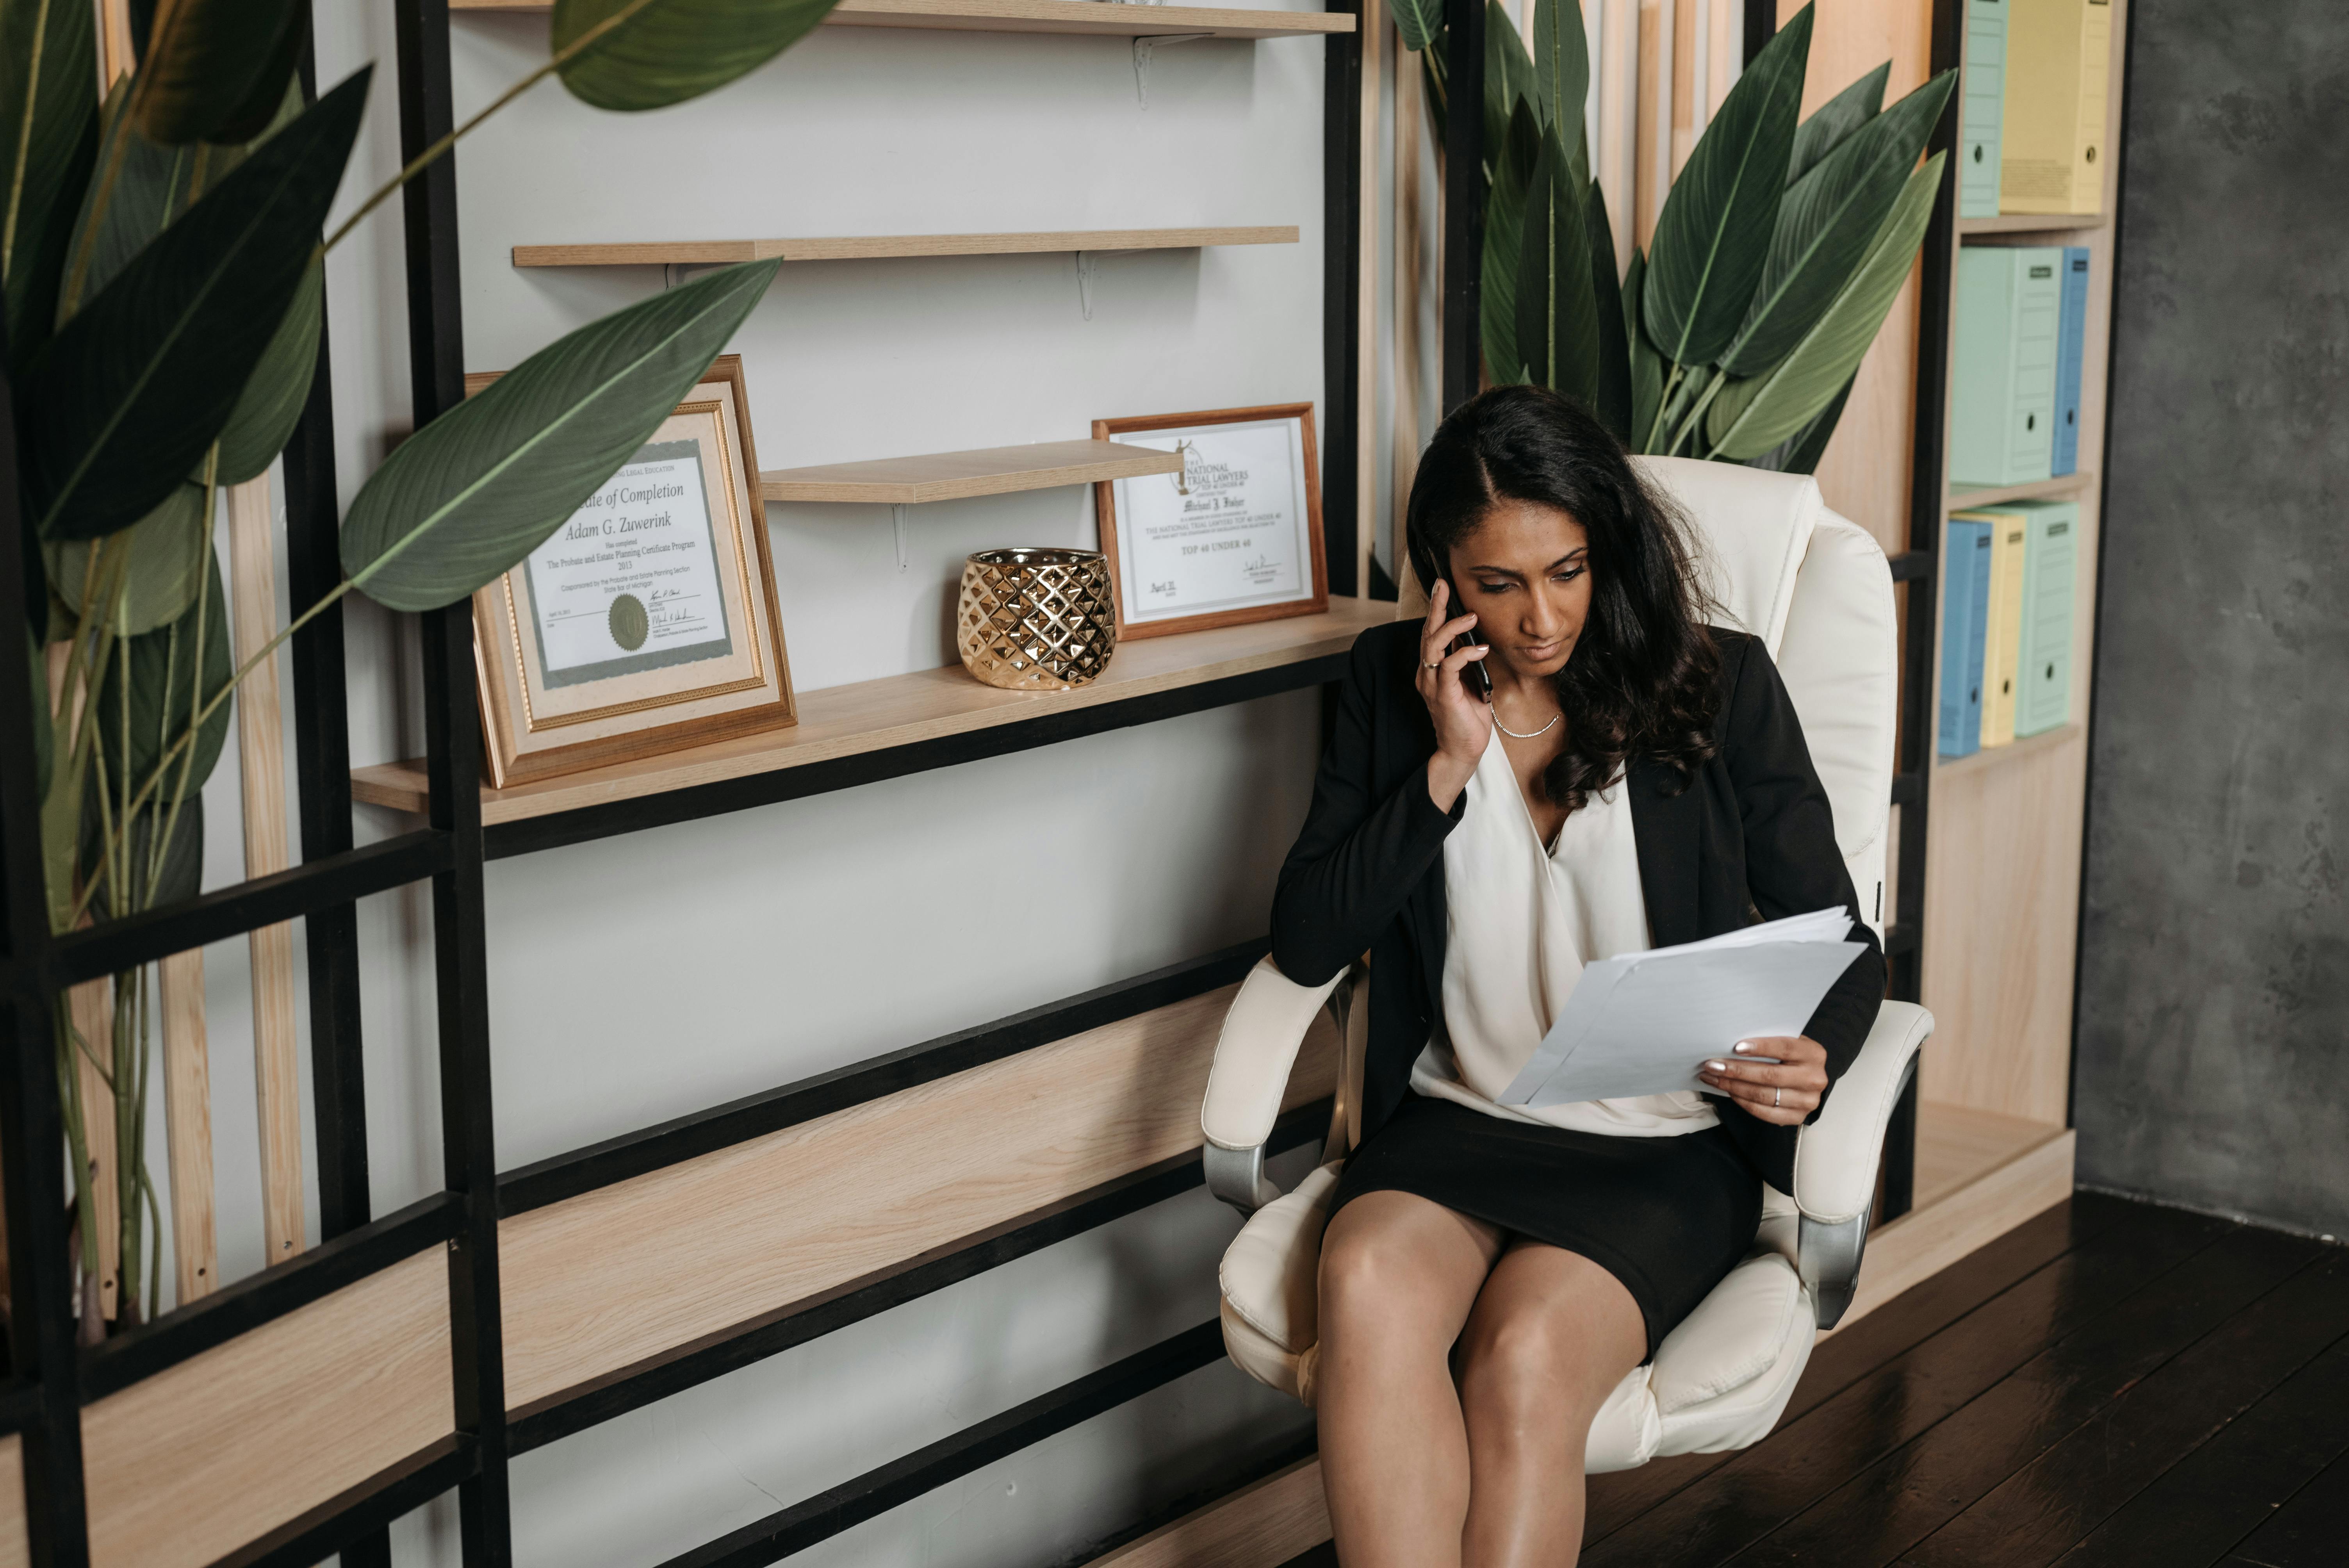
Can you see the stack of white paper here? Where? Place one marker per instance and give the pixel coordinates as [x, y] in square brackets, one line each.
[1642, 1023]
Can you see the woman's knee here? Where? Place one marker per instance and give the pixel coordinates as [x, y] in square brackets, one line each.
[1535, 1358]
[1385, 1275]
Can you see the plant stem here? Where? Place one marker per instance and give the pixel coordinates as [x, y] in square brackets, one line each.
[417, 165]
[69, 299]
[1696, 409]
[187, 736]
[1663, 406]
[31, 104]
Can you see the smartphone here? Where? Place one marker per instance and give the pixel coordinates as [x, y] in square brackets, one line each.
[1423, 560]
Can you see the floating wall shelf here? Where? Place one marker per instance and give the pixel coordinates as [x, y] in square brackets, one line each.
[2062, 486]
[2033, 223]
[1078, 16]
[875, 247]
[952, 475]
[846, 734]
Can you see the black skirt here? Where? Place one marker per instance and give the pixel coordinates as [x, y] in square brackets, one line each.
[1669, 1217]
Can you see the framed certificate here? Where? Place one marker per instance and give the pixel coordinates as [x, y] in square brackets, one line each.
[1235, 536]
[648, 621]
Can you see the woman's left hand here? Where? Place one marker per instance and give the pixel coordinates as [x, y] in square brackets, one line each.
[1784, 1093]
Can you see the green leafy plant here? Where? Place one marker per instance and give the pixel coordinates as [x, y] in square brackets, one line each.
[1779, 249]
[163, 271]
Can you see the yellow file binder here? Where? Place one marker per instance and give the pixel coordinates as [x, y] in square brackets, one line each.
[2003, 642]
[2052, 153]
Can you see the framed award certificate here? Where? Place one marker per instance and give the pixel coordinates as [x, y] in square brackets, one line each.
[648, 621]
[1235, 536]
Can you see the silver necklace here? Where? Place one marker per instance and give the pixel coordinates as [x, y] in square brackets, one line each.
[1511, 734]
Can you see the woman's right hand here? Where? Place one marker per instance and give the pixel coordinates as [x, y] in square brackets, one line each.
[1464, 720]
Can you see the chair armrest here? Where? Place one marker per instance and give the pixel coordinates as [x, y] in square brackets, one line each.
[1261, 1036]
[1837, 1156]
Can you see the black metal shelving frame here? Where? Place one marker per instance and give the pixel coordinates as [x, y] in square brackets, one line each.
[50, 1380]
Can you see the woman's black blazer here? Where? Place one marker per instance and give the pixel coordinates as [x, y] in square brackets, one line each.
[1752, 832]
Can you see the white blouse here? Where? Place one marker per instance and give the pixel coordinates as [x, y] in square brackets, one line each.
[1523, 922]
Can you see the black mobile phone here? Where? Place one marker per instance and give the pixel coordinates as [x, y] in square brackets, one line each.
[1423, 560]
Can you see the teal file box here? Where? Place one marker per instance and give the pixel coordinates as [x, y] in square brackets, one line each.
[2070, 343]
[1982, 108]
[1965, 610]
[2003, 381]
[2051, 557]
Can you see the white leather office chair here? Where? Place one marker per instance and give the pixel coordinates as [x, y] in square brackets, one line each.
[1817, 590]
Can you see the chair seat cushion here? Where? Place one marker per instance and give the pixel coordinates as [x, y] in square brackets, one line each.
[1270, 1273]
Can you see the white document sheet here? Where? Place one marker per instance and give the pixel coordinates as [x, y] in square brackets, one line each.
[1642, 1023]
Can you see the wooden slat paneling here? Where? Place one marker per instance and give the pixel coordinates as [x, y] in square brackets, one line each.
[1266, 1522]
[16, 1550]
[880, 247]
[629, 1272]
[193, 1463]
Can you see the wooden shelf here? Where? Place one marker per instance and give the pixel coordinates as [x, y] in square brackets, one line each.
[2053, 740]
[952, 475]
[911, 714]
[875, 247]
[2033, 223]
[1082, 17]
[2062, 486]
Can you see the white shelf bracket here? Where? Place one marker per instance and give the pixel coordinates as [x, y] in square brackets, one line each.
[897, 526]
[1143, 47]
[1087, 261]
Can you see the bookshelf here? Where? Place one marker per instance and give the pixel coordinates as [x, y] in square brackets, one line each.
[2003, 835]
[878, 247]
[958, 476]
[1080, 17]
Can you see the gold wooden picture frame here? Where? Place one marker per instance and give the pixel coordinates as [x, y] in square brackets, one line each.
[647, 622]
[1301, 543]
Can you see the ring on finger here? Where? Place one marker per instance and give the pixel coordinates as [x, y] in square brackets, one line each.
[1778, 1098]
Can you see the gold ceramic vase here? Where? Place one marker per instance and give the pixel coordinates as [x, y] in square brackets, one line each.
[1036, 620]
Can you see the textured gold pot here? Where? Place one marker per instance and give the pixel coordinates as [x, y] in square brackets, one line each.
[1036, 620]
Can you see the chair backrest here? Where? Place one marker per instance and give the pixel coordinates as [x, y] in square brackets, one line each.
[1815, 587]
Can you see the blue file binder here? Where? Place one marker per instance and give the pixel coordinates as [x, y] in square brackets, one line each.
[2070, 333]
[1965, 612]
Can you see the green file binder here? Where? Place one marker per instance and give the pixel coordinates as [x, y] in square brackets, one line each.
[2002, 384]
[1982, 108]
[2051, 555]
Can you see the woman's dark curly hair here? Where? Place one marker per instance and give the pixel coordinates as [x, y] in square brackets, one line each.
[1640, 681]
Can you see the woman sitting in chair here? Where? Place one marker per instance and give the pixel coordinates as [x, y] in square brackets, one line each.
[1561, 763]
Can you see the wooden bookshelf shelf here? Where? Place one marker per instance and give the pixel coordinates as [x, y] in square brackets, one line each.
[876, 247]
[2054, 739]
[2033, 223]
[2063, 487]
[1081, 17]
[953, 476]
[912, 711]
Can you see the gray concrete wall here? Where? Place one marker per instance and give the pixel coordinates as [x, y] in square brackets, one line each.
[2215, 959]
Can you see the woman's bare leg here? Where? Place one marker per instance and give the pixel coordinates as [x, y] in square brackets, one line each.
[1399, 1274]
[1551, 1337]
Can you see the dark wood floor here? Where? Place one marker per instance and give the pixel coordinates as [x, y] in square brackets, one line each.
[2111, 1386]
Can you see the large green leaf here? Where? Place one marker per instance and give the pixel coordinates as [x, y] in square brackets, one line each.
[1420, 22]
[1647, 364]
[1751, 416]
[48, 86]
[1611, 392]
[214, 70]
[1557, 329]
[271, 403]
[481, 486]
[168, 548]
[1837, 118]
[1826, 223]
[121, 405]
[160, 667]
[1505, 212]
[1800, 452]
[1509, 77]
[650, 53]
[1712, 237]
[1561, 68]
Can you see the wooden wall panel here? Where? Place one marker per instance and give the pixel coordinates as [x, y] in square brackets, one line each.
[1865, 472]
[16, 1550]
[615, 1276]
[196, 1461]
